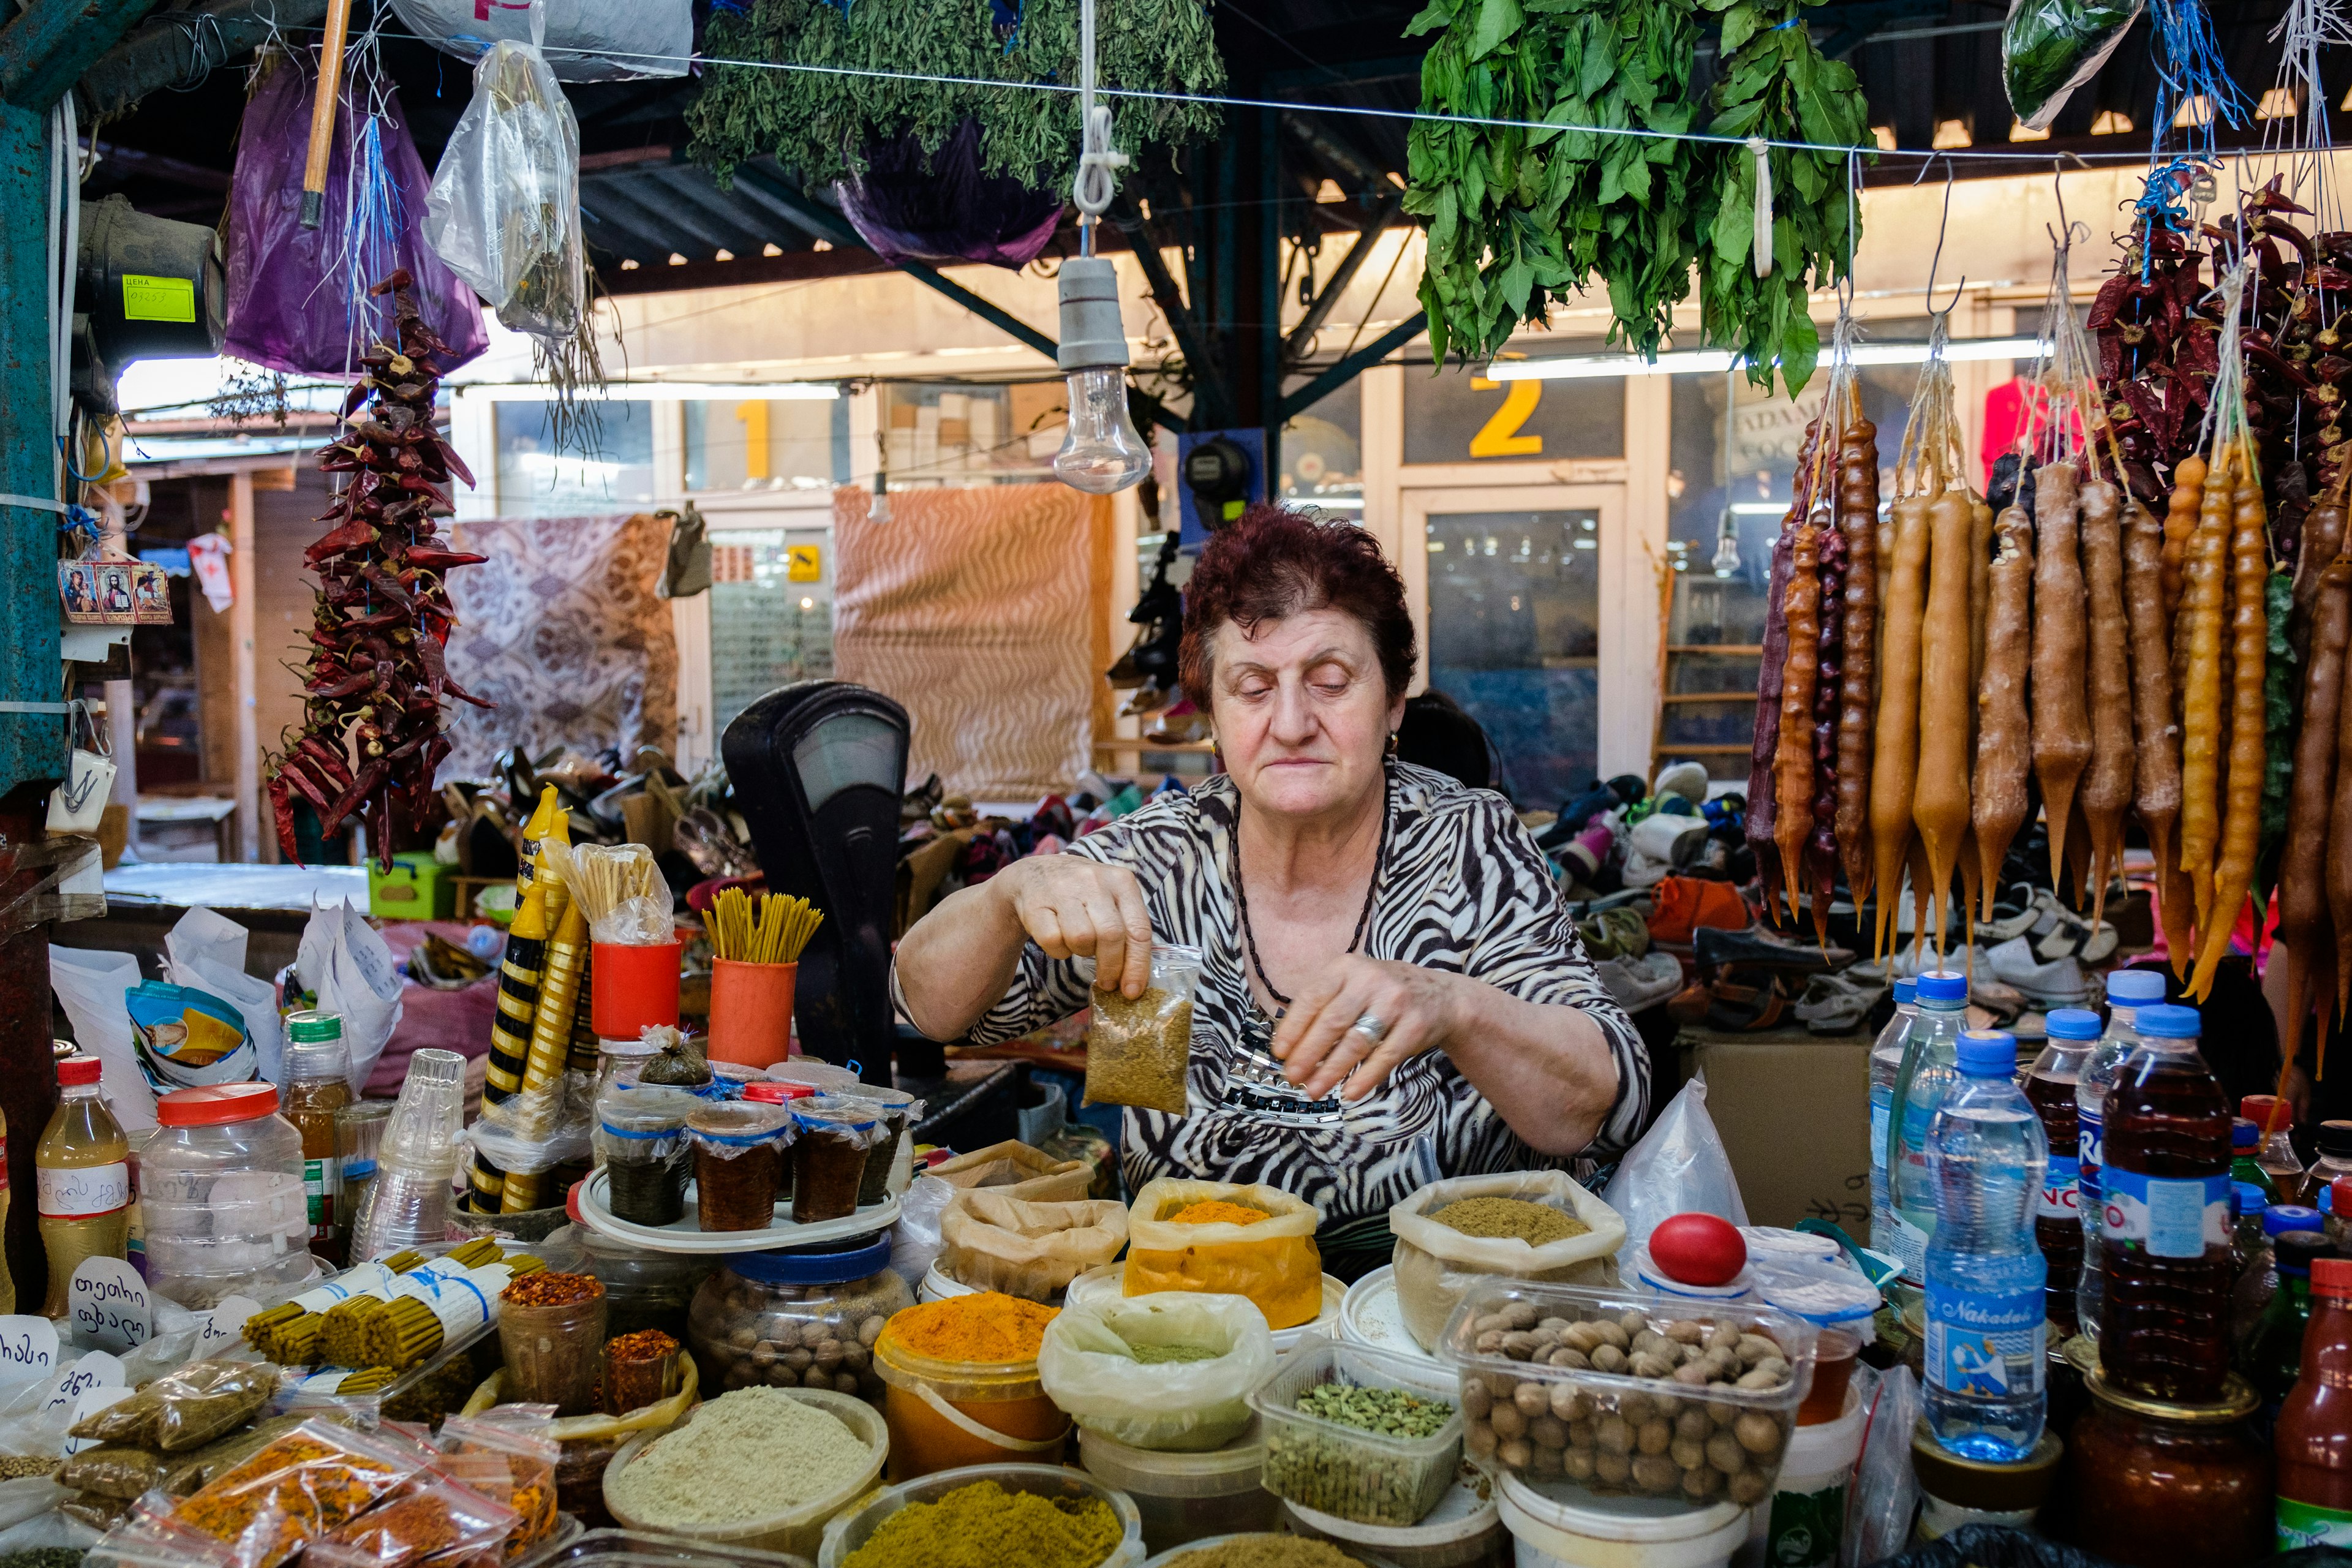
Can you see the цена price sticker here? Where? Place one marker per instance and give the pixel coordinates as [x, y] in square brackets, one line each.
[108, 1303]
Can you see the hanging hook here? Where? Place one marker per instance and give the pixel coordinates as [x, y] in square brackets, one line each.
[1936, 262]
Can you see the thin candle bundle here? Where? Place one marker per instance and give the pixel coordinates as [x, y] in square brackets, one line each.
[769, 928]
[603, 876]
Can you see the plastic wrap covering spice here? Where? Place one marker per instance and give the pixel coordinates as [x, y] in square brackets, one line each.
[473, 1446]
[640, 1369]
[185, 1408]
[754, 1452]
[738, 1163]
[985, 1526]
[679, 1064]
[113, 1469]
[1138, 1051]
[437, 1521]
[641, 1139]
[307, 1483]
[801, 1321]
[899, 1111]
[552, 1331]
[829, 1149]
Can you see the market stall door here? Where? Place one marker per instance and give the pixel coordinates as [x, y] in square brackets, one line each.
[1515, 583]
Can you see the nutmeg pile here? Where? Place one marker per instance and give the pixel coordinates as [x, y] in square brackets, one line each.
[1614, 1439]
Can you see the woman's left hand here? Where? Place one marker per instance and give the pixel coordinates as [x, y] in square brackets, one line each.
[1320, 1046]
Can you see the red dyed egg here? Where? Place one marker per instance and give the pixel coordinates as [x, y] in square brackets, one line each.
[1698, 1249]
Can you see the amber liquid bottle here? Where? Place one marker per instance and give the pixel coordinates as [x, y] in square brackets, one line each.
[83, 1172]
[2313, 1441]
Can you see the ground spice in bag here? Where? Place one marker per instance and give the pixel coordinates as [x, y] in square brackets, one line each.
[1139, 1051]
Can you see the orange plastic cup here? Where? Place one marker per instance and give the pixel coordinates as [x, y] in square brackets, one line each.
[750, 1011]
[632, 989]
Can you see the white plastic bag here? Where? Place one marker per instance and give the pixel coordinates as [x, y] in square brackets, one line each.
[504, 208]
[1678, 1167]
[587, 40]
[344, 962]
[206, 950]
[1087, 1365]
[91, 988]
[1886, 1492]
[915, 1239]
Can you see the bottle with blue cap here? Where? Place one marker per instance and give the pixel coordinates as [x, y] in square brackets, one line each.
[2070, 1036]
[2128, 990]
[1886, 1066]
[1930, 1053]
[2165, 1225]
[2258, 1275]
[1987, 1315]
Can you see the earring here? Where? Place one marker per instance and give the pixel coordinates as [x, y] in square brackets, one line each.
[1392, 744]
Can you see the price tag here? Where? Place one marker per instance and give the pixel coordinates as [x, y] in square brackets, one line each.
[109, 1304]
[96, 1370]
[28, 1348]
[89, 1402]
[223, 1327]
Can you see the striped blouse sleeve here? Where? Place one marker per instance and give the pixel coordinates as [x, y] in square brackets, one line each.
[1529, 947]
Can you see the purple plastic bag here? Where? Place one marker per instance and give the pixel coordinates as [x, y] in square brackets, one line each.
[297, 302]
[942, 209]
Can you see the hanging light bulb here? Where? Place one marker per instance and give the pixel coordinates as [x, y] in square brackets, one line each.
[1101, 452]
[880, 510]
[1726, 545]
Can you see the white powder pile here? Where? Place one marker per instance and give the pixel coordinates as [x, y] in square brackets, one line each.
[751, 1453]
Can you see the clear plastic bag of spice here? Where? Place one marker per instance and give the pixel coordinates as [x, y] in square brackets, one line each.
[1435, 1263]
[1138, 1051]
[435, 1523]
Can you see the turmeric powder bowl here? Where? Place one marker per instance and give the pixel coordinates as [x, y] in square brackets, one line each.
[962, 1386]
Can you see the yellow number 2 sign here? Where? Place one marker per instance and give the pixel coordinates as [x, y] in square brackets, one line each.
[1499, 436]
[803, 563]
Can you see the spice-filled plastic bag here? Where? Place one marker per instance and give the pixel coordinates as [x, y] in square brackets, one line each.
[679, 1064]
[1016, 1170]
[437, 1521]
[312, 1481]
[990, 1242]
[1138, 1051]
[530, 1456]
[185, 1408]
[504, 208]
[1436, 1260]
[1170, 1372]
[1228, 1238]
[2050, 48]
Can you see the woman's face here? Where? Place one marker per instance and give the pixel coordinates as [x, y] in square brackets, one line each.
[1302, 711]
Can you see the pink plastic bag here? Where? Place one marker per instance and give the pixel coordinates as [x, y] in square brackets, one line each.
[298, 298]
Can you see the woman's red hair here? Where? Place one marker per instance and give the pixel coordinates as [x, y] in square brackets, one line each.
[1271, 563]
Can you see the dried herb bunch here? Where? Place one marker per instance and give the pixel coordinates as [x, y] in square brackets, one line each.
[371, 735]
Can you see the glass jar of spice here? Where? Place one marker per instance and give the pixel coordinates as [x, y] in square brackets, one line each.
[640, 1369]
[739, 1158]
[829, 1155]
[552, 1334]
[317, 1085]
[2156, 1484]
[642, 1143]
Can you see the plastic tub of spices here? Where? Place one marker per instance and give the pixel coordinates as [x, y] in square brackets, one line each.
[1361, 1434]
[1184, 1497]
[641, 1140]
[782, 1462]
[738, 1161]
[1464, 1528]
[961, 1385]
[829, 1148]
[552, 1334]
[1064, 1488]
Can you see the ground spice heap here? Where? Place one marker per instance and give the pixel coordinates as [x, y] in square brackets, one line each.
[1266, 1551]
[1157, 1355]
[1498, 1219]
[754, 1452]
[546, 1288]
[984, 1526]
[1216, 1211]
[991, 1328]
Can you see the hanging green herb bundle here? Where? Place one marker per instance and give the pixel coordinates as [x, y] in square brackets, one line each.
[1519, 218]
[1776, 85]
[818, 125]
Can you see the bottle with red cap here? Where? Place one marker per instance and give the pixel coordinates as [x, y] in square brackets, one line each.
[2313, 1439]
[2275, 1154]
[81, 1175]
[224, 1194]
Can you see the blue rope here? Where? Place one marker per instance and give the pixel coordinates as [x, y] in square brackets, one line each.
[2188, 65]
[372, 237]
[1008, 16]
[2160, 203]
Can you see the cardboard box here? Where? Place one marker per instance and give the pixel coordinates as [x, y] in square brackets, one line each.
[1795, 1112]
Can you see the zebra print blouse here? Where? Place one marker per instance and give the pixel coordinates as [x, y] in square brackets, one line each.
[1462, 889]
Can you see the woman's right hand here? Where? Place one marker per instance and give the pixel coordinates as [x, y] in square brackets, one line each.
[1074, 907]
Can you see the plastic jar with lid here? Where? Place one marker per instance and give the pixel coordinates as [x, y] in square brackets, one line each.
[739, 1159]
[796, 1320]
[640, 1141]
[945, 1414]
[221, 1194]
[830, 1151]
[1954, 1491]
[2156, 1484]
[1185, 1498]
[889, 1163]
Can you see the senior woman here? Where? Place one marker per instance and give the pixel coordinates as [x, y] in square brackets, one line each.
[1392, 989]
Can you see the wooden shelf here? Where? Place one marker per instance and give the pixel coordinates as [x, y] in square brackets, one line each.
[1708, 696]
[1179, 748]
[1730, 650]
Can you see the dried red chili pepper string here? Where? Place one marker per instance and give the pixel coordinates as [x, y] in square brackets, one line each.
[377, 678]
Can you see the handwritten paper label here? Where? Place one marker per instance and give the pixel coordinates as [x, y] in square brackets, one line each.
[89, 1403]
[28, 1347]
[109, 1304]
[95, 1370]
[223, 1327]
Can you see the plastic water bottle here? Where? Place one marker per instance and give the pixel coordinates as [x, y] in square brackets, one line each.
[1886, 1066]
[2128, 990]
[1920, 1084]
[1987, 1320]
[2168, 1236]
[2050, 1087]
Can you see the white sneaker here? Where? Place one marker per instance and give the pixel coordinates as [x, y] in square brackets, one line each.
[2044, 983]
